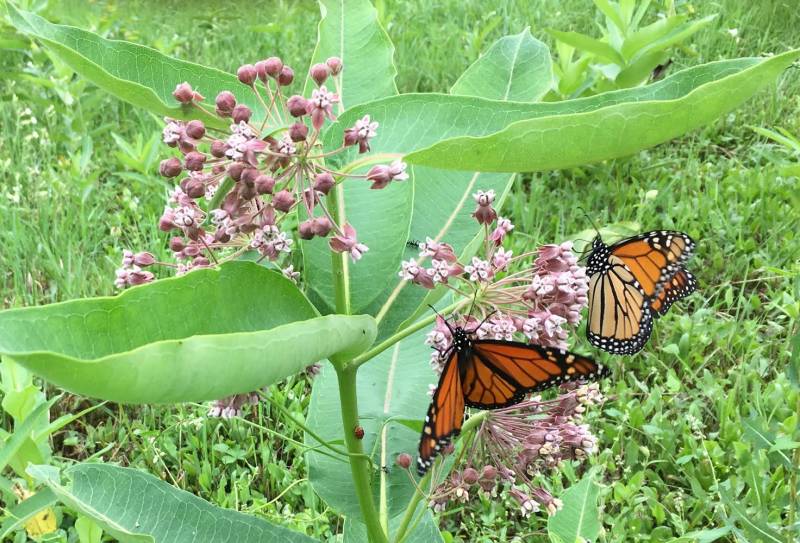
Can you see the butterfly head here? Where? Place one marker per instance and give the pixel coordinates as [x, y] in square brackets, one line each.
[461, 339]
[598, 257]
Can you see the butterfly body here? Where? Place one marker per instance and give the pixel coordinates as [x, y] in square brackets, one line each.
[631, 283]
[490, 374]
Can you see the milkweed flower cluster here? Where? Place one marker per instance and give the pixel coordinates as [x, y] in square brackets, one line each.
[235, 189]
[534, 297]
[515, 446]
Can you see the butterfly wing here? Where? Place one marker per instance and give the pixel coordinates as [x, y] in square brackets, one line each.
[680, 286]
[620, 319]
[500, 373]
[445, 414]
[654, 257]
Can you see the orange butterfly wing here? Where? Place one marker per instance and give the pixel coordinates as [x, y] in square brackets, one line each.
[500, 373]
[680, 286]
[654, 257]
[445, 414]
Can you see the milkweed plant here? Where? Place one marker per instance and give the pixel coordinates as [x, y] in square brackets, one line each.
[312, 219]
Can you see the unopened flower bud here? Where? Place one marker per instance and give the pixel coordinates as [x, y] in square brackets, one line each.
[297, 105]
[403, 460]
[264, 184]
[225, 102]
[183, 93]
[194, 161]
[241, 113]
[286, 76]
[489, 473]
[249, 176]
[235, 171]
[195, 129]
[166, 222]
[335, 65]
[322, 226]
[306, 229]
[247, 192]
[200, 262]
[247, 74]
[218, 148]
[176, 244]
[143, 259]
[469, 476]
[273, 66]
[298, 132]
[283, 201]
[170, 167]
[323, 182]
[319, 73]
[194, 188]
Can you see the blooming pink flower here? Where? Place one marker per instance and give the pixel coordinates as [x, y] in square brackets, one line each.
[320, 106]
[364, 130]
[501, 259]
[347, 243]
[442, 269]
[484, 213]
[382, 174]
[437, 250]
[502, 229]
[479, 270]
[411, 271]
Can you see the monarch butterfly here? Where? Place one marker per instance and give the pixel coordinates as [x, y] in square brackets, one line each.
[489, 374]
[632, 281]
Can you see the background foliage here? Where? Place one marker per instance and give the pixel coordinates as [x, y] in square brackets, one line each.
[696, 436]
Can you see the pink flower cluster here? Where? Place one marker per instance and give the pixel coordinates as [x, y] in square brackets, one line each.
[515, 444]
[234, 190]
[531, 297]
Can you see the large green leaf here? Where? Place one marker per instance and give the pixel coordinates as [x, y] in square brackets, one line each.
[579, 517]
[205, 335]
[605, 126]
[134, 73]
[134, 506]
[425, 531]
[350, 30]
[392, 387]
[516, 68]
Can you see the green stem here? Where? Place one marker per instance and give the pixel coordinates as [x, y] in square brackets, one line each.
[339, 263]
[402, 334]
[401, 534]
[359, 465]
[791, 530]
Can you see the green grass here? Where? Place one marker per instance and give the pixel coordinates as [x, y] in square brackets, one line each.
[679, 434]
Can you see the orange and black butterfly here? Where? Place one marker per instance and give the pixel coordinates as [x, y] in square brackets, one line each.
[633, 281]
[489, 374]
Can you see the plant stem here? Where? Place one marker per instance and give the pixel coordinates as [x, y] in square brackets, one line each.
[339, 263]
[400, 534]
[359, 465]
[402, 334]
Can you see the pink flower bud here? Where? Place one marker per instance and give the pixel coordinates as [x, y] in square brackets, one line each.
[286, 76]
[322, 226]
[194, 161]
[235, 171]
[241, 113]
[183, 93]
[470, 476]
[273, 66]
[225, 102]
[283, 201]
[379, 175]
[170, 167]
[335, 65]
[306, 229]
[403, 460]
[249, 176]
[247, 74]
[194, 188]
[485, 214]
[297, 105]
[200, 262]
[319, 73]
[166, 222]
[218, 148]
[323, 182]
[195, 129]
[138, 277]
[265, 184]
[143, 259]
[176, 244]
[298, 132]
[247, 192]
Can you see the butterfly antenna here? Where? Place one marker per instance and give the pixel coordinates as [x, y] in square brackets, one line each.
[441, 317]
[594, 225]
